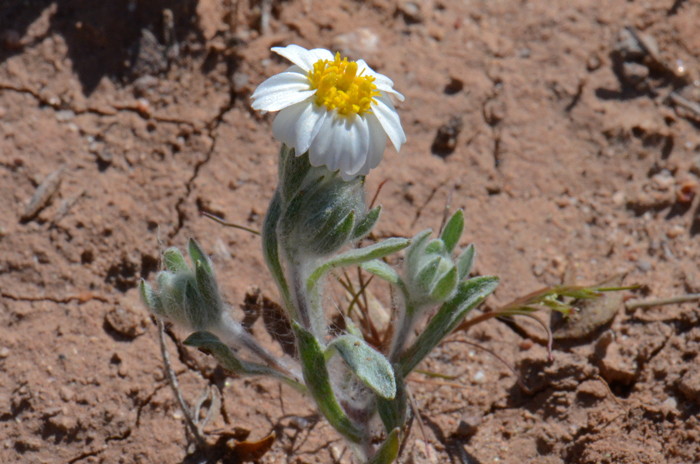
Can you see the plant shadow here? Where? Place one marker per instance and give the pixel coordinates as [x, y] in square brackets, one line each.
[102, 38]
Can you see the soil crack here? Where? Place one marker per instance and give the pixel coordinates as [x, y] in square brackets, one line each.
[110, 110]
[81, 297]
[212, 127]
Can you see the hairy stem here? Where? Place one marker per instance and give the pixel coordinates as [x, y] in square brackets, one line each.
[232, 333]
[405, 322]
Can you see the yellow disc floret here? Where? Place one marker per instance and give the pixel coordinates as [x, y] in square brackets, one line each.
[339, 86]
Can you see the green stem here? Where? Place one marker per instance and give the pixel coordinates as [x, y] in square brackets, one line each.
[409, 315]
[271, 253]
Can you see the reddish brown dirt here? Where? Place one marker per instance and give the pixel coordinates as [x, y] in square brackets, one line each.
[560, 151]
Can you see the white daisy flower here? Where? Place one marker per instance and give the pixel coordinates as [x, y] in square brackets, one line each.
[337, 110]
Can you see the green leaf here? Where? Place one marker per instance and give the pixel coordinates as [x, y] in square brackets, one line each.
[366, 225]
[436, 246]
[393, 412]
[367, 364]
[358, 256]
[150, 298]
[291, 216]
[229, 360]
[171, 289]
[389, 451]
[453, 230]
[334, 238]
[469, 295]
[195, 310]
[174, 261]
[198, 254]
[313, 364]
[466, 261]
[381, 270]
[445, 285]
[207, 286]
[415, 252]
[285, 151]
[426, 274]
[353, 329]
[294, 172]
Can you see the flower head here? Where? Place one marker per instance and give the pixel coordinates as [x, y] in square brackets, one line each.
[337, 110]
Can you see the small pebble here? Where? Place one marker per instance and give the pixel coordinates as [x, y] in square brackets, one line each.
[593, 62]
[686, 191]
[635, 73]
[411, 12]
[336, 453]
[468, 426]
[663, 180]
[479, 377]
[4, 352]
[644, 265]
[66, 393]
[670, 403]
[675, 231]
[619, 198]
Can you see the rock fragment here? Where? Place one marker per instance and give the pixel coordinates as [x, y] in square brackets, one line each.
[445, 140]
[43, 194]
[126, 322]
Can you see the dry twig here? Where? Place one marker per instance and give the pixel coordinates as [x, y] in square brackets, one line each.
[634, 304]
[172, 379]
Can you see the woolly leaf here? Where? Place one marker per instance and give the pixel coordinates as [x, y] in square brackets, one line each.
[198, 254]
[389, 451]
[333, 238]
[367, 364]
[381, 270]
[466, 261]
[393, 412]
[366, 225]
[294, 172]
[174, 261]
[453, 230]
[445, 285]
[469, 295]
[358, 256]
[150, 298]
[313, 364]
[210, 343]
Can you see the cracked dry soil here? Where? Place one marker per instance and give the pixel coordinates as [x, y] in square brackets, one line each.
[569, 133]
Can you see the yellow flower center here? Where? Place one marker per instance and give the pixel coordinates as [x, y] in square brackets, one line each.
[339, 86]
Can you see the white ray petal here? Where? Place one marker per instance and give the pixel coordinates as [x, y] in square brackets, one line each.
[321, 54]
[377, 141]
[380, 80]
[281, 91]
[282, 82]
[389, 119]
[297, 55]
[307, 126]
[284, 128]
[363, 66]
[389, 89]
[322, 142]
[339, 141]
[359, 143]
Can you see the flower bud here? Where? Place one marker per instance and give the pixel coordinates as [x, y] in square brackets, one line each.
[431, 273]
[185, 296]
[321, 213]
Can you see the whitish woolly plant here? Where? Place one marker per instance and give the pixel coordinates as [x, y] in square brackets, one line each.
[334, 121]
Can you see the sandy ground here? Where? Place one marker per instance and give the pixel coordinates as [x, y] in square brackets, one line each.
[569, 134]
